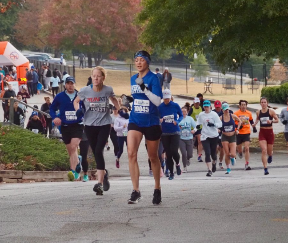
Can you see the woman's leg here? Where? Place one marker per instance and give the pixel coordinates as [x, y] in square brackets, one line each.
[152, 147]
[183, 150]
[207, 150]
[121, 141]
[263, 146]
[226, 152]
[133, 140]
[113, 137]
[166, 144]
[189, 148]
[174, 146]
[84, 146]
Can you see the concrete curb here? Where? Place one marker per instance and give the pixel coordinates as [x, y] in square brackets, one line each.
[18, 176]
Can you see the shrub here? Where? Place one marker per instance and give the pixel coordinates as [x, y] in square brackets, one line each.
[21, 149]
[276, 94]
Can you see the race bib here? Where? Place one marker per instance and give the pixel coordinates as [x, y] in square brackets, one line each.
[141, 106]
[185, 133]
[35, 130]
[100, 107]
[264, 120]
[228, 128]
[70, 115]
[168, 119]
[125, 133]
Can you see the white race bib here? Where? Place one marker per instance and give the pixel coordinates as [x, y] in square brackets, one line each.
[264, 120]
[168, 119]
[100, 107]
[228, 128]
[70, 115]
[141, 106]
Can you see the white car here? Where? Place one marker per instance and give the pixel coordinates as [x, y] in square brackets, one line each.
[56, 61]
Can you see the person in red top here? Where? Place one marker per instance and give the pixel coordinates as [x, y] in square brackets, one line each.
[244, 132]
[23, 92]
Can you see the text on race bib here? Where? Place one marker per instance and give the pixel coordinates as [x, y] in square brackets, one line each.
[264, 120]
[228, 128]
[70, 115]
[141, 106]
[168, 119]
[100, 107]
[185, 133]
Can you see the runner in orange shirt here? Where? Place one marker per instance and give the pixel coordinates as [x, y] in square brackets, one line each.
[244, 131]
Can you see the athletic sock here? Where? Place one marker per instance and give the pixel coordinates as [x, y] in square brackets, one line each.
[73, 171]
[247, 163]
[265, 169]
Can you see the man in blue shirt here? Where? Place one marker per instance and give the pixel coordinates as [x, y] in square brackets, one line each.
[71, 125]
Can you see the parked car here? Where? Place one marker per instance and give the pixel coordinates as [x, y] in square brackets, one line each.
[45, 55]
[56, 61]
[36, 58]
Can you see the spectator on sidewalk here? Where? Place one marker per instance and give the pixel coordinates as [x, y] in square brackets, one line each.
[24, 109]
[167, 78]
[65, 75]
[34, 124]
[55, 84]
[18, 112]
[8, 94]
[46, 108]
[81, 58]
[35, 80]
[284, 119]
[24, 94]
[47, 77]
[29, 77]
[160, 77]
[41, 117]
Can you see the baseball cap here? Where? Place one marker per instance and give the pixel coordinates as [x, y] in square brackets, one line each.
[225, 106]
[34, 113]
[217, 104]
[206, 103]
[196, 100]
[166, 94]
[157, 69]
[166, 68]
[70, 79]
[32, 67]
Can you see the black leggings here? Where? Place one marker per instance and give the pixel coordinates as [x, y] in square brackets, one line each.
[160, 152]
[84, 146]
[113, 137]
[171, 146]
[121, 141]
[210, 148]
[97, 137]
[55, 90]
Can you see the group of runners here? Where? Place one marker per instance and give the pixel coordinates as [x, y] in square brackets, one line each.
[84, 116]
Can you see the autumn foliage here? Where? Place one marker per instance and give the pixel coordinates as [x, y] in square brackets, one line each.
[84, 25]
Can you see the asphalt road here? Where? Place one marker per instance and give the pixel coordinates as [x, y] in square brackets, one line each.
[245, 206]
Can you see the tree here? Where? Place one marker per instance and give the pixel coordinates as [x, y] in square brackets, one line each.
[8, 17]
[95, 27]
[278, 72]
[201, 66]
[236, 29]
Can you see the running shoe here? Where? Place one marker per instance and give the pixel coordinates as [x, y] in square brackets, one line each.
[270, 159]
[117, 163]
[78, 166]
[71, 176]
[98, 188]
[76, 176]
[213, 167]
[209, 173]
[167, 173]
[106, 183]
[85, 178]
[232, 161]
[247, 167]
[228, 171]
[150, 173]
[185, 170]
[240, 155]
[200, 158]
[188, 162]
[179, 172]
[171, 177]
[135, 197]
[157, 197]
[266, 171]
[221, 166]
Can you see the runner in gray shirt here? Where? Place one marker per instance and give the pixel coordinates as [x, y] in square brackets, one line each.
[97, 121]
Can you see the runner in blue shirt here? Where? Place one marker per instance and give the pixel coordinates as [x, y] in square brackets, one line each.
[144, 120]
[170, 116]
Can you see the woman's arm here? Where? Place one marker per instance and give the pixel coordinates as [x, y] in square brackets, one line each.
[76, 103]
[115, 102]
[274, 115]
[238, 120]
[257, 119]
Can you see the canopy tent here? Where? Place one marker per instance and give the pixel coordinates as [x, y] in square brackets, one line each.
[9, 55]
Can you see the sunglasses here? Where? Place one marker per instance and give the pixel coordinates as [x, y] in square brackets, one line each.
[142, 53]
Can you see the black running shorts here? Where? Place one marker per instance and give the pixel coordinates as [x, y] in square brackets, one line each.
[70, 131]
[152, 133]
[242, 138]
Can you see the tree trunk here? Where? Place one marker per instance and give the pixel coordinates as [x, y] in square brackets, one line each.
[89, 56]
[98, 57]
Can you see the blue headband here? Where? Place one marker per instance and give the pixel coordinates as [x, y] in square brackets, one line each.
[146, 58]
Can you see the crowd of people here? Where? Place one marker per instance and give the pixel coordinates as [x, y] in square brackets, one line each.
[86, 118]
